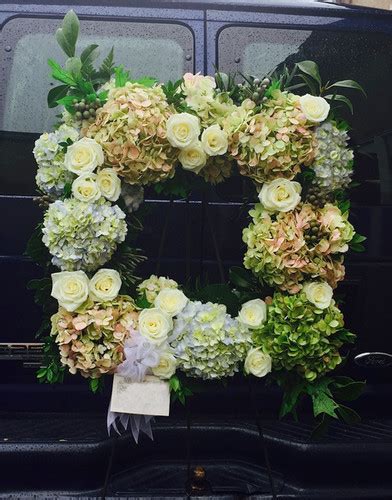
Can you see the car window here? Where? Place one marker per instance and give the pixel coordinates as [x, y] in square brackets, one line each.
[28, 43]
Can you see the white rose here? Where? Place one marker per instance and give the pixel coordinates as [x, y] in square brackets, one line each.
[155, 325]
[253, 313]
[171, 301]
[109, 184]
[257, 363]
[182, 130]
[85, 188]
[280, 195]
[105, 285]
[316, 109]
[193, 157]
[166, 366]
[70, 289]
[83, 156]
[319, 293]
[214, 141]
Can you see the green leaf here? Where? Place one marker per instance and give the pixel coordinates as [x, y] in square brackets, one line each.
[142, 302]
[310, 68]
[67, 35]
[146, 81]
[321, 428]
[310, 84]
[241, 277]
[96, 384]
[350, 391]
[36, 249]
[350, 416]
[58, 73]
[340, 98]
[89, 54]
[356, 247]
[73, 65]
[55, 94]
[344, 206]
[290, 399]
[121, 76]
[323, 403]
[358, 238]
[349, 84]
[107, 66]
[174, 383]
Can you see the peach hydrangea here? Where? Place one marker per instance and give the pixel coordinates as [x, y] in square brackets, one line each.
[91, 341]
[131, 128]
[288, 248]
[274, 141]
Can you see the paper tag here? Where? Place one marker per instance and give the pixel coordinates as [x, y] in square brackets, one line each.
[151, 397]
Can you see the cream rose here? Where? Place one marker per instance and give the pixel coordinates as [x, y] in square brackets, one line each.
[155, 325]
[171, 301]
[199, 83]
[319, 293]
[85, 188]
[109, 184]
[182, 130]
[193, 157]
[70, 289]
[253, 313]
[166, 366]
[105, 285]
[214, 141]
[316, 109]
[257, 363]
[280, 195]
[83, 156]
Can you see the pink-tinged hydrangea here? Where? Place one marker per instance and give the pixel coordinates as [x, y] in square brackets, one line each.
[285, 249]
[272, 142]
[131, 128]
[91, 341]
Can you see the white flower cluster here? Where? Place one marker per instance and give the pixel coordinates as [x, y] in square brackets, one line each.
[333, 163]
[83, 235]
[52, 175]
[207, 342]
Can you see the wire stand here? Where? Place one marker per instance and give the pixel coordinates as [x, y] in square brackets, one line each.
[262, 441]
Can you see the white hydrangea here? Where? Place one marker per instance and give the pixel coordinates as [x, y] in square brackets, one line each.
[83, 235]
[153, 285]
[207, 342]
[52, 175]
[333, 163]
[52, 180]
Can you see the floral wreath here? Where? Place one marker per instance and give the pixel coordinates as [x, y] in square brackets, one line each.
[117, 135]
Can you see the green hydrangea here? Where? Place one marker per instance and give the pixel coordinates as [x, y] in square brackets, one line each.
[83, 235]
[300, 337]
[208, 343]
